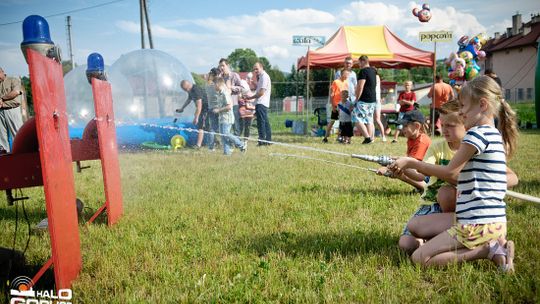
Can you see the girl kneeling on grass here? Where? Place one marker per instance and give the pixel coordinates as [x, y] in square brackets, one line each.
[479, 166]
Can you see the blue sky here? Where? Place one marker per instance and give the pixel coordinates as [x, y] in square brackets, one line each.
[201, 32]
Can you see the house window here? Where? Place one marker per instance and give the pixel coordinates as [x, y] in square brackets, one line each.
[507, 94]
[520, 94]
[529, 93]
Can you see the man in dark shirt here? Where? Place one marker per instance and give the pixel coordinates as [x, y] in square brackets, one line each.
[367, 99]
[197, 95]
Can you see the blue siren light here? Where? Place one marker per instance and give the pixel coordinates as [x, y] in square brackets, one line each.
[36, 30]
[36, 36]
[95, 63]
[95, 67]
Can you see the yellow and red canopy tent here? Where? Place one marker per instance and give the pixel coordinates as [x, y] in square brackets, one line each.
[384, 49]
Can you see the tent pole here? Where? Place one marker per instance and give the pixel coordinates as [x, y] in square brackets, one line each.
[306, 106]
[433, 96]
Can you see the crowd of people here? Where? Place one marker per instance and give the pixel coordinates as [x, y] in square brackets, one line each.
[462, 179]
[227, 103]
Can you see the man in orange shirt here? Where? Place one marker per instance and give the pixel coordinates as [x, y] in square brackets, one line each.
[340, 84]
[443, 93]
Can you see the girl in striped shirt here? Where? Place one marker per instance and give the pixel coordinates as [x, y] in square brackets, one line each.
[479, 170]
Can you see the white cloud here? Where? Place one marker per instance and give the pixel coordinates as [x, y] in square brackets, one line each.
[275, 51]
[372, 13]
[269, 32]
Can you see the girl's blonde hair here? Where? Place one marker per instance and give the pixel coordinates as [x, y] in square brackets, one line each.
[220, 83]
[486, 87]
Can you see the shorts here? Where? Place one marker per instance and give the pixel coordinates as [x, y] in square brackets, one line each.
[334, 115]
[474, 235]
[400, 116]
[363, 112]
[202, 120]
[423, 210]
[346, 129]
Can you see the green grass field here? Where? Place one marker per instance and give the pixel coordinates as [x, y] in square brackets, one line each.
[202, 227]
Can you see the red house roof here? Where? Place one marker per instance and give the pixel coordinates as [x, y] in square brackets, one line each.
[519, 40]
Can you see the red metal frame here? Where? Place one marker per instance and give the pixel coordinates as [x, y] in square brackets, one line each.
[108, 149]
[52, 165]
[56, 168]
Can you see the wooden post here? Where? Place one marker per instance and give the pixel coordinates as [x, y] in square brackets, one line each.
[433, 96]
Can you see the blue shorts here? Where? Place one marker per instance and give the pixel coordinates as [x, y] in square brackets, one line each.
[423, 210]
[363, 112]
[400, 116]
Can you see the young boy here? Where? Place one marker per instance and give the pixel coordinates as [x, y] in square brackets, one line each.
[338, 86]
[439, 196]
[406, 101]
[417, 144]
[345, 120]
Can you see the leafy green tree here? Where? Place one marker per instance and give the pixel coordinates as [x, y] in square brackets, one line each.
[198, 79]
[25, 81]
[242, 60]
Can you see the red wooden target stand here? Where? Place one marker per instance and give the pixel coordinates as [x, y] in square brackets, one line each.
[43, 154]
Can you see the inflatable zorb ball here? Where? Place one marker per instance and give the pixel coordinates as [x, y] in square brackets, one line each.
[79, 98]
[154, 83]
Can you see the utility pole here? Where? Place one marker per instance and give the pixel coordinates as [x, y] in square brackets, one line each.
[70, 41]
[148, 28]
[145, 19]
[141, 2]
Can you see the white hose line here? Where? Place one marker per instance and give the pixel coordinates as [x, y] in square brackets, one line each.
[510, 193]
[322, 160]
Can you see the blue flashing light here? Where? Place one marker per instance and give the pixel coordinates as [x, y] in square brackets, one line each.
[95, 63]
[36, 30]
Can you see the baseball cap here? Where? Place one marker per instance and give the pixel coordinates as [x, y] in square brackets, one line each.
[412, 116]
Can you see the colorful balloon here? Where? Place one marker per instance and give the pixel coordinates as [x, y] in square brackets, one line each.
[424, 14]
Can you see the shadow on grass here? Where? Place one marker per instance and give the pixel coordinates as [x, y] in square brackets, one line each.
[329, 244]
[13, 265]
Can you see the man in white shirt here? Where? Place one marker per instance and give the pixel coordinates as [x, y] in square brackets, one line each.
[262, 96]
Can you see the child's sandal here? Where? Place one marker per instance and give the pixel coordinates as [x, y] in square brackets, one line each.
[495, 248]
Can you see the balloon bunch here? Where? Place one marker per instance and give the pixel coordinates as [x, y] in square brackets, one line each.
[462, 66]
[423, 14]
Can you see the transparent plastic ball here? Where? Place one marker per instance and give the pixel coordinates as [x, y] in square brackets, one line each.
[79, 98]
[154, 81]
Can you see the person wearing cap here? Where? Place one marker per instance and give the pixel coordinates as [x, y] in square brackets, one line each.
[418, 143]
[10, 111]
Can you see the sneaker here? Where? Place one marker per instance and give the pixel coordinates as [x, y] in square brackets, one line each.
[367, 141]
[325, 140]
[394, 141]
[244, 147]
[384, 139]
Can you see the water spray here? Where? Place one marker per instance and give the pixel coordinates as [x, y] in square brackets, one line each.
[382, 160]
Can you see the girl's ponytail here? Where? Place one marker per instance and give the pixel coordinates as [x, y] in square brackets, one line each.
[508, 128]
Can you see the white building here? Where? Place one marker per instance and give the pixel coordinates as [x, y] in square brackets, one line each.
[513, 55]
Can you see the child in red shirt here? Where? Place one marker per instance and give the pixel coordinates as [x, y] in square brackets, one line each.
[417, 142]
[406, 100]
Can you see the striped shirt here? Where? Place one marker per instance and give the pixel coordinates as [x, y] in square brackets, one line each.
[482, 182]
